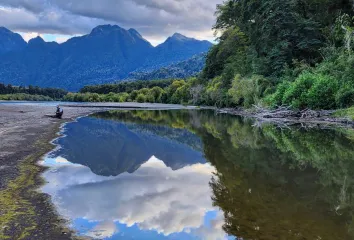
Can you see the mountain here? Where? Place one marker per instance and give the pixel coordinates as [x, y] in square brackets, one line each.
[109, 53]
[115, 147]
[10, 41]
[183, 69]
[175, 49]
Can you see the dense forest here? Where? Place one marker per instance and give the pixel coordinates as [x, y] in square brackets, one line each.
[297, 53]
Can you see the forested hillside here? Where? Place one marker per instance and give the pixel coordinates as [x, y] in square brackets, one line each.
[298, 53]
[107, 54]
[184, 69]
[270, 52]
[288, 52]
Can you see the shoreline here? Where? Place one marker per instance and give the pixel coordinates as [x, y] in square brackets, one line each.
[27, 136]
[318, 119]
[25, 211]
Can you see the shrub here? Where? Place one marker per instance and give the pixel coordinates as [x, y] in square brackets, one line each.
[296, 94]
[322, 94]
[134, 94]
[247, 91]
[141, 98]
[276, 99]
[345, 97]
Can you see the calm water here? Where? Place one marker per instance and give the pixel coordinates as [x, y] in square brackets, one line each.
[182, 174]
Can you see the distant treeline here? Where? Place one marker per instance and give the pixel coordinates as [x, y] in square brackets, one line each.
[158, 91]
[127, 87]
[52, 93]
[24, 97]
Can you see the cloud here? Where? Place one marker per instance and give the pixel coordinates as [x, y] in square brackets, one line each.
[154, 19]
[104, 229]
[62, 38]
[29, 35]
[154, 197]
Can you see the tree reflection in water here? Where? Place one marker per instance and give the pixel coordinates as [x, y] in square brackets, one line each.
[271, 183]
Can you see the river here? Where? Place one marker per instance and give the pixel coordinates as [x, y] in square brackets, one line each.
[191, 174]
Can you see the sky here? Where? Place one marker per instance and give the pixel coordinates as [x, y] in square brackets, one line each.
[59, 20]
[154, 197]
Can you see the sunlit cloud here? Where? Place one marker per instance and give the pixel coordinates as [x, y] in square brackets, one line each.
[155, 20]
[154, 197]
[29, 35]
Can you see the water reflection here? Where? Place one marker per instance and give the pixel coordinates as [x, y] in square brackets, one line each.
[270, 183]
[154, 198]
[110, 148]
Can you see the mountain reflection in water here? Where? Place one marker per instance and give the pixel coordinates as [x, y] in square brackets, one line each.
[195, 175]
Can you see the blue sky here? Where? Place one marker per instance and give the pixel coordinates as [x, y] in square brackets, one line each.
[58, 20]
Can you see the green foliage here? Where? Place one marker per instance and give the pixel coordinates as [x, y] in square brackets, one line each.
[297, 93]
[155, 95]
[125, 86]
[277, 33]
[229, 56]
[309, 90]
[322, 94]
[51, 93]
[141, 98]
[302, 51]
[346, 113]
[215, 94]
[248, 91]
[276, 99]
[345, 97]
[24, 97]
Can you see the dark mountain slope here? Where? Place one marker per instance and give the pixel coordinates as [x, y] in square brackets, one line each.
[109, 53]
[183, 69]
[10, 41]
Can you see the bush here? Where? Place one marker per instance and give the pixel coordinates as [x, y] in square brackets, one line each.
[322, 94]
[248, 91]
[309, 90]
[134, 95]
[141, 98]
[345, 97]
[276, 99]
[296, 94]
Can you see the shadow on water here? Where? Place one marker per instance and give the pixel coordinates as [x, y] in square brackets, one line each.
[270, 183]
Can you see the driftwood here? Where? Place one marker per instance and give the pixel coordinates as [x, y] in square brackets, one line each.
[285, 116]
[287, 112]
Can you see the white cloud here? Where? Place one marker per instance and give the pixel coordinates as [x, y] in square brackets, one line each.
[29, 35]
[62, 38]
[104, 229]
[154, 197]
[154, 19]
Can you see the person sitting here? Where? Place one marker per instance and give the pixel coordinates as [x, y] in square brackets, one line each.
[59, 112]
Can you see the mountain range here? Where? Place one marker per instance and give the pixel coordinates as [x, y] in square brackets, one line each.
[179, 70]
[108, 54]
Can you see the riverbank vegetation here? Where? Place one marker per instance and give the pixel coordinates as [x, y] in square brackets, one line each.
[269, 53]
[24, 97]
[30, 93]
[297, 53]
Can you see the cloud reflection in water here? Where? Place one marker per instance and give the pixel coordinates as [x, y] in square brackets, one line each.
[154, 197]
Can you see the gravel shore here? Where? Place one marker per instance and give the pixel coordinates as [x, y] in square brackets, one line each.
[25, 136]
[25, 133]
